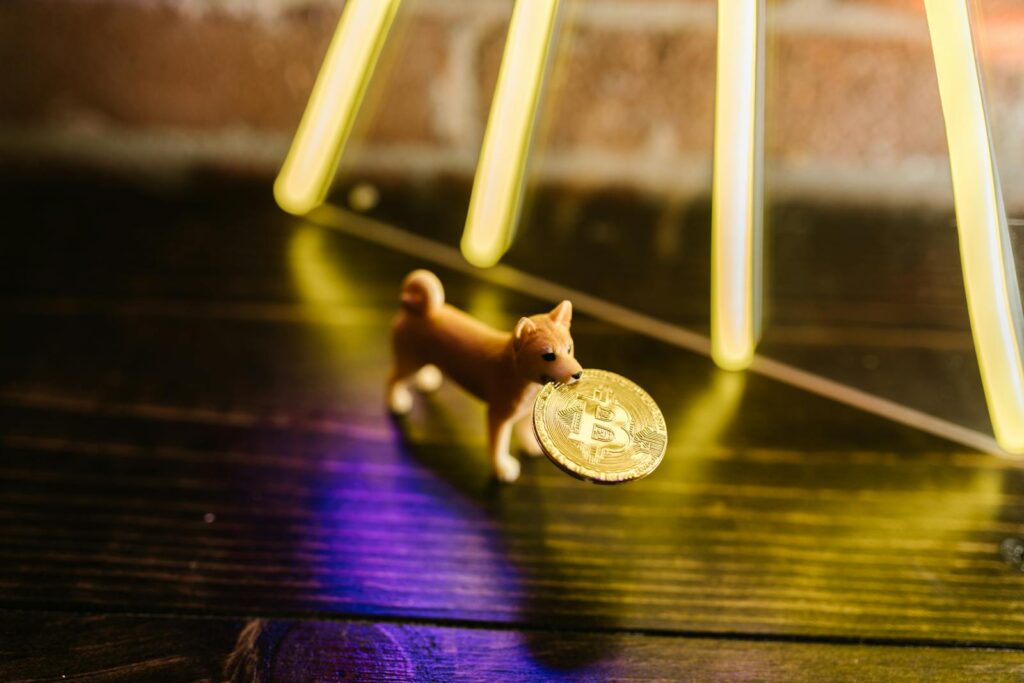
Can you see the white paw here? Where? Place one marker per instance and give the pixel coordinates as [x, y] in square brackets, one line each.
[400, 399]
[506, 469]
[429, 379]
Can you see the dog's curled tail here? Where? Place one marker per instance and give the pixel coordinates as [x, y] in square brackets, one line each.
[422, 292]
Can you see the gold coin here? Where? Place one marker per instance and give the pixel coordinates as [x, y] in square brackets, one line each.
[602, 428]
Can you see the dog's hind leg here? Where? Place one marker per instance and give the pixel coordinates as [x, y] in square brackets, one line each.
[428, 378]
[399, 396]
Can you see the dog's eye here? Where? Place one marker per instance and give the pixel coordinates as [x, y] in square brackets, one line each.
[549, 356]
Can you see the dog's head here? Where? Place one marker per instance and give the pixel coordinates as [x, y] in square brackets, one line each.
[544, 349]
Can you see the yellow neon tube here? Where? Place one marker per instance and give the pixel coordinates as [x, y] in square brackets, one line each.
[333, 105]
[737, 184]
[990, 279]
[498, 185]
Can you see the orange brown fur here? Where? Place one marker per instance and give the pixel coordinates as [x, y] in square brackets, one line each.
[504, 369]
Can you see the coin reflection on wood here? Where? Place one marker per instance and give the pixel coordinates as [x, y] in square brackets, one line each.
[602, 428]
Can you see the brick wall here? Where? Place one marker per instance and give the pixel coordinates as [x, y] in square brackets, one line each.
[853, 108]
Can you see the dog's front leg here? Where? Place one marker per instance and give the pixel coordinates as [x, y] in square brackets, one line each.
[506, 467]
[528, 437]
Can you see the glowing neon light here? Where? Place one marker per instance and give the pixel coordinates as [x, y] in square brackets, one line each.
[737, 185]
[333, 105]
[990, 279]
[498, 186]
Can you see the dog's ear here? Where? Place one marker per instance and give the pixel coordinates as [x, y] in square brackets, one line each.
[562, 313]
[523, 328]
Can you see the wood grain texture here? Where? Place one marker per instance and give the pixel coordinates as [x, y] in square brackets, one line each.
[192, 423]
[109, 649]
[56, 647]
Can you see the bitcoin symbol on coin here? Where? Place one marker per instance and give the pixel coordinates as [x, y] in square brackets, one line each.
[603, 426]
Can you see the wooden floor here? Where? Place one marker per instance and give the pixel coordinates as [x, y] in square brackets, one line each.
[198, 481]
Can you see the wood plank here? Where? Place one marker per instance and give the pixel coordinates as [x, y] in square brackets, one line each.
[170, 452]
[110, 648]
[95, 647]
[871, 296]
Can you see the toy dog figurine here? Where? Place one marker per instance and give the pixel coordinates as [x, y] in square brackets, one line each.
[430, 337]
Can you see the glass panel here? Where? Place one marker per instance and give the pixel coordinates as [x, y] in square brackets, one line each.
[999, 27]
[864, 274]
[619, 176]
[862, 271]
